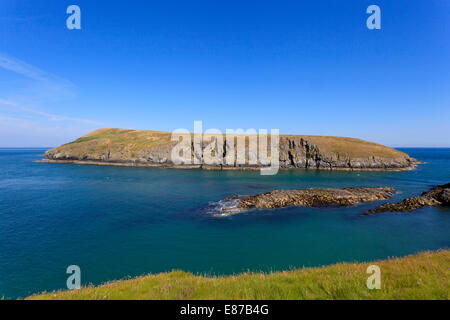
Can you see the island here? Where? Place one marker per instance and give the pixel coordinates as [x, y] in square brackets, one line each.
[123, 147]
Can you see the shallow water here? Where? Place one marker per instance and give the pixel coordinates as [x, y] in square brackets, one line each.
[116, 222]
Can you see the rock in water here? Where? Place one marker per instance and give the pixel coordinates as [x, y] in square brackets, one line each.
[435, 197]
[440, 193]
[312, 197]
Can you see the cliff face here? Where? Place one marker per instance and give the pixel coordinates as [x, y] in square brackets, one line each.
[336, 152]
[139, 147]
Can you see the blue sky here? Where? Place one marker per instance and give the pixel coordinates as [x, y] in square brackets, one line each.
[306, 67]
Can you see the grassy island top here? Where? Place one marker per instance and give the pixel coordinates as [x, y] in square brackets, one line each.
[146, 139]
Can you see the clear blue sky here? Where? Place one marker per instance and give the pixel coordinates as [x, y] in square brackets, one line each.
[306, 67]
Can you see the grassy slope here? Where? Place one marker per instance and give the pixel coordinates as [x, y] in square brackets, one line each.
[133, 140]
[421, 276]
[137, 139]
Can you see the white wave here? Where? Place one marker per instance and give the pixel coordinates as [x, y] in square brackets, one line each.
[224, 208]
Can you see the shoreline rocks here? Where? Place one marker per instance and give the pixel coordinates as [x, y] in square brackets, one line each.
[437, 196]
[314, 197]
[131, 163]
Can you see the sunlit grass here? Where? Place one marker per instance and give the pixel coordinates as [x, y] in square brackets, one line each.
[131, 144]
[421, 276]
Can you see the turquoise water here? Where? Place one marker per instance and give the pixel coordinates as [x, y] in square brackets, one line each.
[116, 222]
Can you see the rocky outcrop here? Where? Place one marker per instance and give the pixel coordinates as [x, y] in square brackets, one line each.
[307, 152]
[314, 197]
[139, 147]
[438, 196]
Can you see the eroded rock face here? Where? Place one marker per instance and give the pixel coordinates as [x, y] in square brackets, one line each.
[312, 197]
[298, 152]
[435, 197]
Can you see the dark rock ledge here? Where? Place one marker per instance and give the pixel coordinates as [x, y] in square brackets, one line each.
[437, 196]
[314, 197]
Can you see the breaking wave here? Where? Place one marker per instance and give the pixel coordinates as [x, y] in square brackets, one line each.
[224, 208]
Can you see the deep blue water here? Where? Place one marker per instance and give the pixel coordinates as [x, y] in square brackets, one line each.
[116, 222]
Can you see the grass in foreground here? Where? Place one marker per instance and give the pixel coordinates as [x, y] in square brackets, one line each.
[421, 276]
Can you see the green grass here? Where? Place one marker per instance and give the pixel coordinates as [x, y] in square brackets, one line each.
[421, 276]
[135, 138]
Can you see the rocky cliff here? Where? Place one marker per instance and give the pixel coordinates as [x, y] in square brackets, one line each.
[153, 148]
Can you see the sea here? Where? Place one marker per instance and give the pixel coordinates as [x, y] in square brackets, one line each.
[121, 222]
